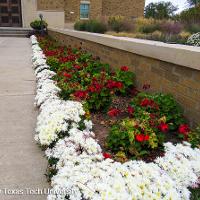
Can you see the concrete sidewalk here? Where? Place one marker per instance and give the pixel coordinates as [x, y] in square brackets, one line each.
[22, 164]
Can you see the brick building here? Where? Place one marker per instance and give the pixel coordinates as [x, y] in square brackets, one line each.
[84, 9]
[21, 12]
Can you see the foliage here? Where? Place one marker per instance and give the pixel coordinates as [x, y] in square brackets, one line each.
[151, 117]
[190, 16]
[167, 108]
[160, 30]
[133, 137]
[144, 25]
[53, 63]
[84, 78]
[194, 40]
[94, 26]
[118, 24]
[194, 137]
[193, 28]
[160, 10]
[38, 23]
[195, 193]
[180, 38]
[171, 27]
[194, 2]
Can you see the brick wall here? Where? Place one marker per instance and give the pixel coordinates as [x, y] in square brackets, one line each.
[72, 6]
[126, 8]
[95, 9]
[98, 8]
[50, 4]
[182, 82]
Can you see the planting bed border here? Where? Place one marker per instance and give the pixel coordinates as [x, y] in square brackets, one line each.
[86, 174]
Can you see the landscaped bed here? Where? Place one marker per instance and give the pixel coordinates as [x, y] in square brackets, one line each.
[139, 154]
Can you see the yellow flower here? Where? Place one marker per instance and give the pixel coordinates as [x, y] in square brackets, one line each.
[162, 119]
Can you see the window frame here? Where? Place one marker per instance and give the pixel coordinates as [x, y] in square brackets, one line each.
[88, 4]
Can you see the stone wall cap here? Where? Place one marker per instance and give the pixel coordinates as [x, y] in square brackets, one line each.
[184, 55]
[58, 10]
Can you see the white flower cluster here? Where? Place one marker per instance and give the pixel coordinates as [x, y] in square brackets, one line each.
[83, 173]
[194, 40]
[56, 116]
[182, 163]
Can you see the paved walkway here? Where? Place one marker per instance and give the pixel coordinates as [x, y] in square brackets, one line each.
[22, 164]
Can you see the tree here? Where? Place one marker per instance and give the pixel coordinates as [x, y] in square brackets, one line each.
[194, 2]
[160, 10]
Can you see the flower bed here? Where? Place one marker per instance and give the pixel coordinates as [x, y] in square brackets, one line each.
[77, 165]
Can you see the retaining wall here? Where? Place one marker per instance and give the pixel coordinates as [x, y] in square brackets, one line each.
[168, 68]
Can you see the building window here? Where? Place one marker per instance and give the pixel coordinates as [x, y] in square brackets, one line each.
[84, 10]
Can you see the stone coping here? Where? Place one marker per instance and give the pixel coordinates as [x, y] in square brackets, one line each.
[183, 55]
[59, 10]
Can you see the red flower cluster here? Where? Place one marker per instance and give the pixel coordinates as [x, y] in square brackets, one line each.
[51, 53]
[106, 155]
[77, 67]
[113, 112]
[65, 74]
[184, 129]
[149, 103]
[80, 95]
[69, 58]
[114, 84]
[142, 137]
[124, 68]
[163, 127]
[95, 87]
[130, 110]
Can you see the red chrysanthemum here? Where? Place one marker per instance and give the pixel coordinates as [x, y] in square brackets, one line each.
[65, 74]
[124, 68]
[184, 129]
[149, 103]
[77, 67]
[142, 137]
[163, 127]
[113, 112]
[107, 155]
[80, 94]
[114, 84]
[130, 110]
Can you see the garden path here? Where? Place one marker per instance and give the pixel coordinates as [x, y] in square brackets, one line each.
[22, 164]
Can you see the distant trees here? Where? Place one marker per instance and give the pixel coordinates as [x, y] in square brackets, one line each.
[194, 2]
[161, 10]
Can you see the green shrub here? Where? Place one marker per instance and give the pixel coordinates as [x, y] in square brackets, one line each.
[168, 107]
[193, 28]
[190, 16]
[152, 116]
[195, 193]
[80, 26]
[119, 24]
[53, 63]
[194, 137]
[156, 36]
[133, 137]
[38, 23]
[94, 26]
[144, 25]
[149, 28]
